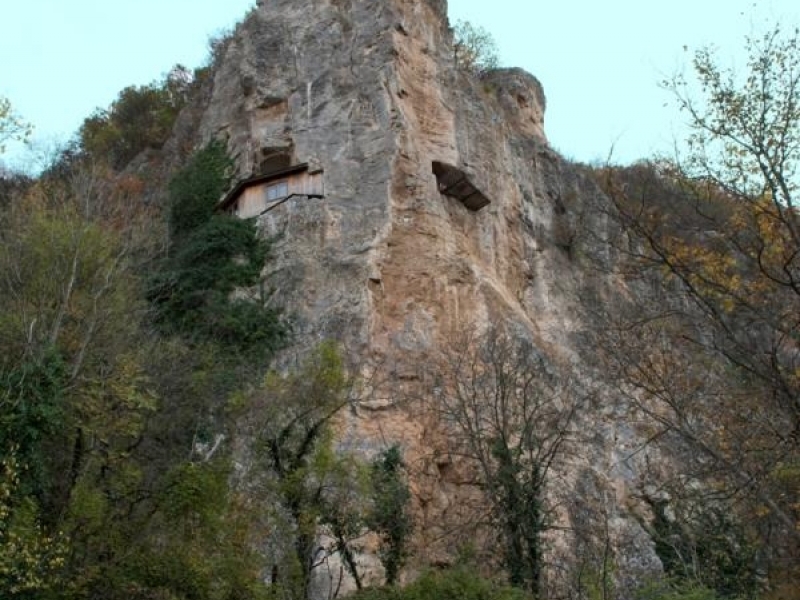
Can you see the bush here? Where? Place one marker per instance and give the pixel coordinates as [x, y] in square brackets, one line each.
[31, 412]
[454, 584]
[674, 590]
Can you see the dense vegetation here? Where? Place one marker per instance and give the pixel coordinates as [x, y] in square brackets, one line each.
[140, 118]
[108, 489]
[708, 348]
[459, 583]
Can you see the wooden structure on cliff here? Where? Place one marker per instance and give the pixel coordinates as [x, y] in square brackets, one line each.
[255, 196]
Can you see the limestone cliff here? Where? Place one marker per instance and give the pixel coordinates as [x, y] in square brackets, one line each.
[387, 263]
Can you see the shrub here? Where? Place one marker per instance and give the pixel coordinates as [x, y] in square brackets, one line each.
[454, 584]
[474, 48]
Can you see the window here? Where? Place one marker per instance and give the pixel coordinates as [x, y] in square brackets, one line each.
[277, 190]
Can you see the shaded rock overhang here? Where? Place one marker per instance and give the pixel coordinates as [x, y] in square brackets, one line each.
[455, 183]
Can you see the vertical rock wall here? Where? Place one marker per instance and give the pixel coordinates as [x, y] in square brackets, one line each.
[385, 263]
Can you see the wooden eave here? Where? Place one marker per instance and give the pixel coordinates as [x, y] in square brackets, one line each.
[240, 187]
[454, 183]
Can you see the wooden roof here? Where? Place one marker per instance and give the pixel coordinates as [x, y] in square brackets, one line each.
[455, 183]
[232, 196]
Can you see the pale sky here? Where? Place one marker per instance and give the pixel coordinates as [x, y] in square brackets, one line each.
[600, 62]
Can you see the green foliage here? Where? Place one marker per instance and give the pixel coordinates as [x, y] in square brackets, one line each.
[705, 547]
[197, 545]
[213, 256]
[517, 489]
[454, 584]
[675, 590]
[30, 560]
[306, 481]
[194, 293]
[207, 253]
[474, 48]
[198, 187]
[141, 117]
[390, 517]
[108, 491]
[299, 409]
[195, 492]
[12, 128]
[31, 411]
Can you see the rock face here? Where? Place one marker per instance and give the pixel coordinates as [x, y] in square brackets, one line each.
[388, 264]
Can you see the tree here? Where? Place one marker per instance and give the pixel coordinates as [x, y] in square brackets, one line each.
[12, 128]
[141, 117]
[511, 416]
[389, 515]
[74, 396]
[701, 542]
[204, 289]
[69, 311]
[30, 560]
[308, 483]
[474, 48]
[709, 348]
[113, 432]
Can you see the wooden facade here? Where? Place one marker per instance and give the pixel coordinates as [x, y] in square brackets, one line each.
[257, 195]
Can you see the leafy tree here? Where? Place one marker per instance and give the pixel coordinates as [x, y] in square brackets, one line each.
[474, 48]
[513, 419]
[68, 295]
[30, 560]
[702, 545]
[12, 185]
[709, 351]
[197, 543]
[141, 117]
[33, 410]
[390, 517]
[12, 128]
[74, 395]
[309, 484]
[674, 590]
[213, 255]
[107, 488]
[197, 188]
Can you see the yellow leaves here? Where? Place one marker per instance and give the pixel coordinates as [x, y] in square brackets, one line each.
[762, 511]
[116, 404]
[30, 559]
[65, 279]
[318, 385]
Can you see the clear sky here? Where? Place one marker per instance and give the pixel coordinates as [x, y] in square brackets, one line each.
[599, 62]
